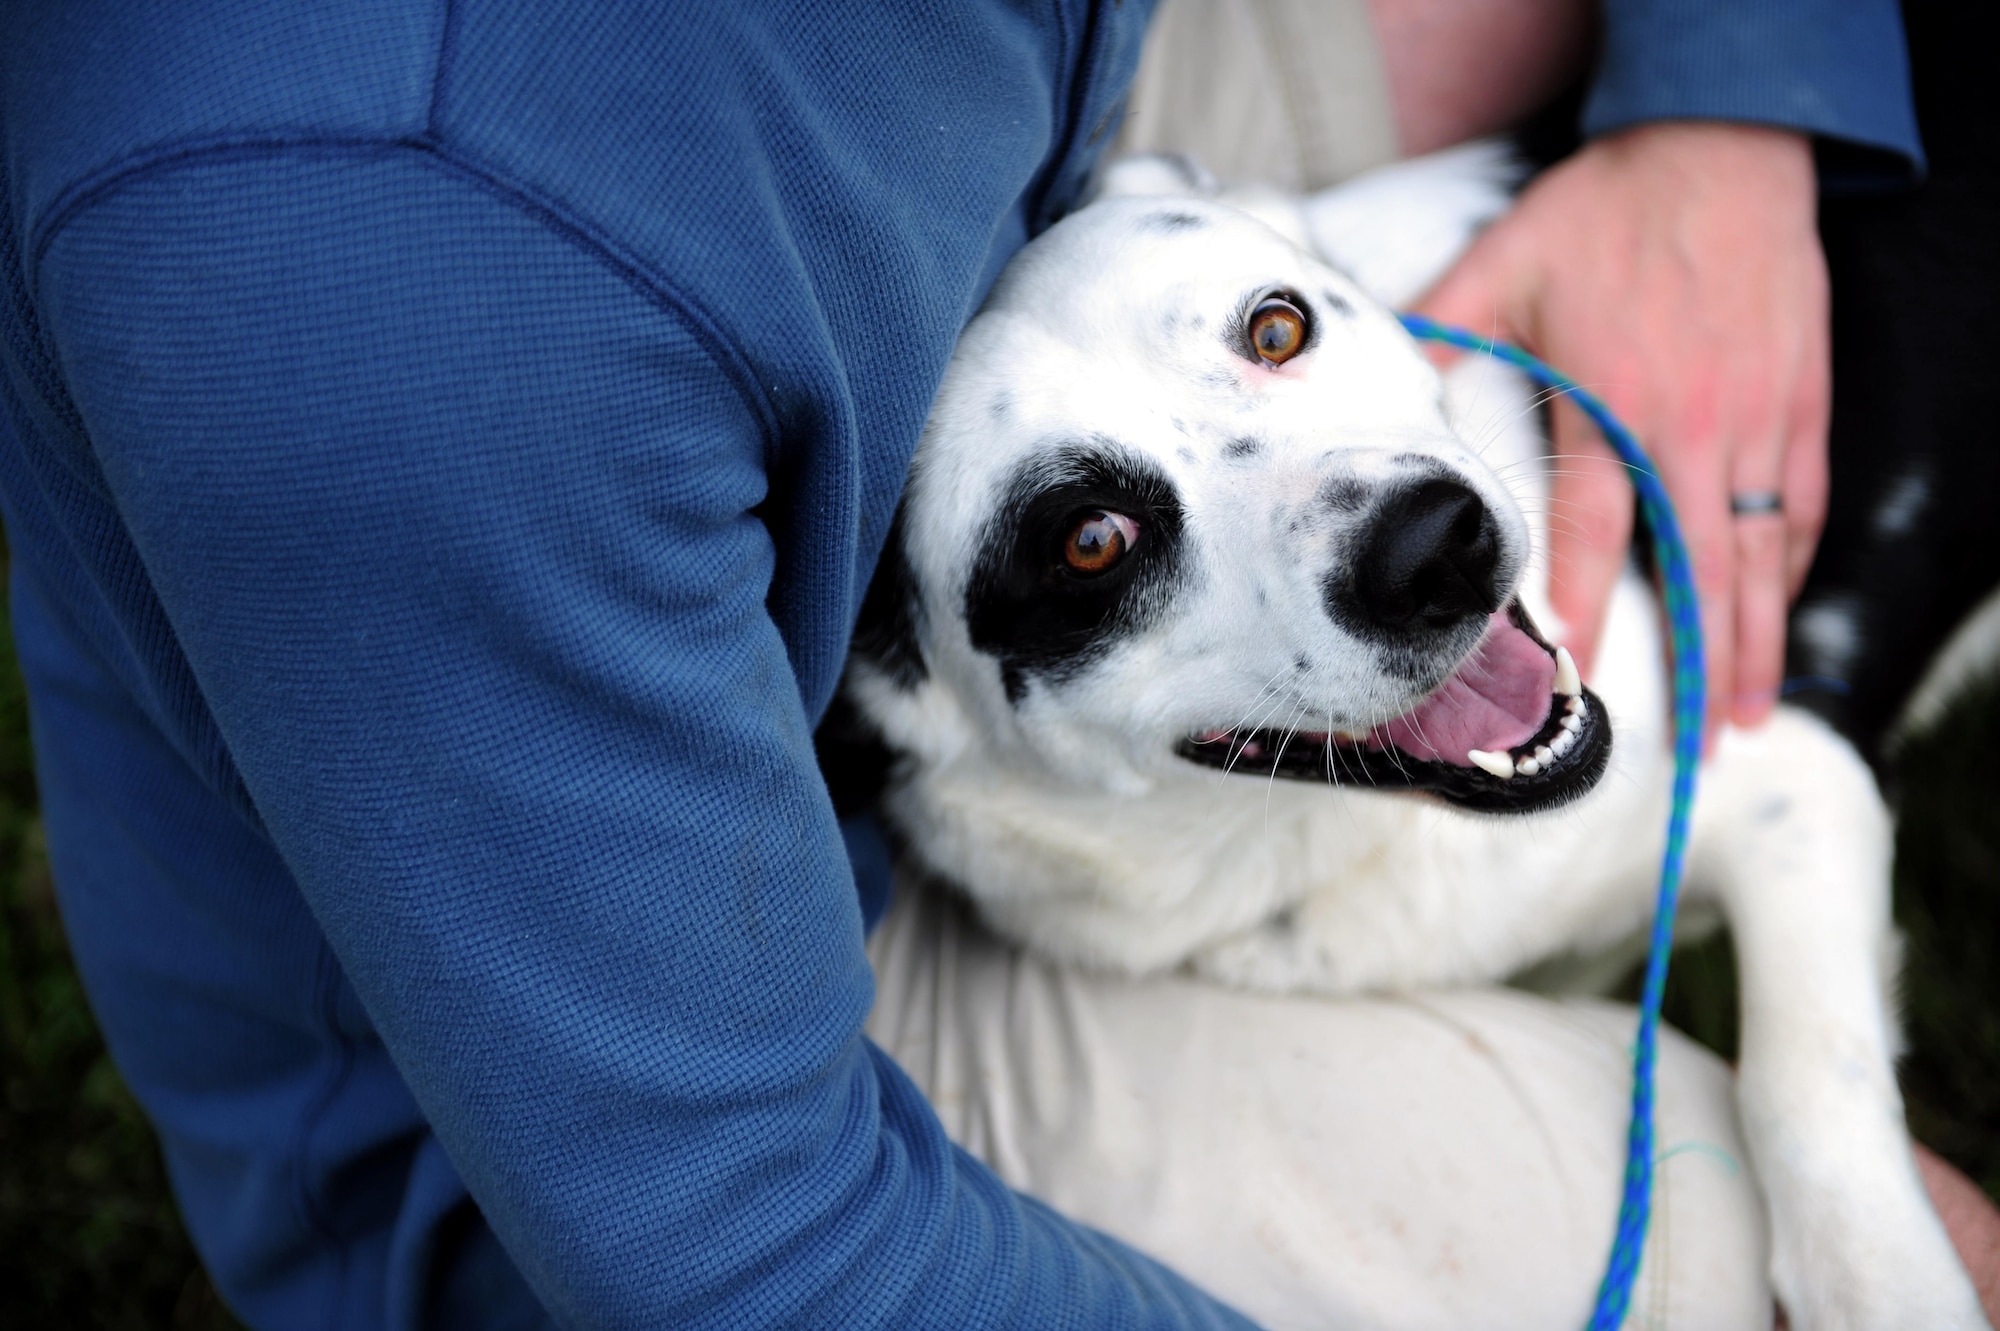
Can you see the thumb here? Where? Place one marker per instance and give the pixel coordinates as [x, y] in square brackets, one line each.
[1590, 530]
[1475, 293]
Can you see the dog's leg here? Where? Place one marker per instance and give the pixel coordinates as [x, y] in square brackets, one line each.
[1792, 837]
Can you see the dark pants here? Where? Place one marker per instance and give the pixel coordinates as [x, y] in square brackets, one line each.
[1912, 541]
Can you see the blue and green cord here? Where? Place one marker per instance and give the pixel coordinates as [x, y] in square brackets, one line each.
[1670, 557]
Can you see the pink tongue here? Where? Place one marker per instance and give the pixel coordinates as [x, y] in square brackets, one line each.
[1498, 699]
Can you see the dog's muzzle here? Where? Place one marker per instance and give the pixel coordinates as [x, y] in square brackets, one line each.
[1510, 731]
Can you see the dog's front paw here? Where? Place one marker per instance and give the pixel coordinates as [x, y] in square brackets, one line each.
[1880, 1273]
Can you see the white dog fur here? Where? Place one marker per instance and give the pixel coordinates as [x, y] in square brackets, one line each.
[1068, 815]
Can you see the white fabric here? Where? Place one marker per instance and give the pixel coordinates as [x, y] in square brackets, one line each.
[1448, 1160]
[1289, 94]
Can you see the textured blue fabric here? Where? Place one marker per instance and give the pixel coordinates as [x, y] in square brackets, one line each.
[442, 450]
[444, 453]
[1838, 69]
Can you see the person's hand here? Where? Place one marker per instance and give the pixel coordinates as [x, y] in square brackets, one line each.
[1675, 270]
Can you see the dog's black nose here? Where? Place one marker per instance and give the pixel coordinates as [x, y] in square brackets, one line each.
[1428, 559]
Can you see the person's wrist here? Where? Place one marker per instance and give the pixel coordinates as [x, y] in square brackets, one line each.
[1707, 154]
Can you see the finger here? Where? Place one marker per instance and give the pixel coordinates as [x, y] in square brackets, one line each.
[1807, 476]
[1771, 547]
[1590, 530]
[1760, 616]
[1701, 496]
[1805, 489]
[1474, 293]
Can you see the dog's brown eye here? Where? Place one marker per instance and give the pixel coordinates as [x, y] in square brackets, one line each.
[1099, 540]
[1277, 331]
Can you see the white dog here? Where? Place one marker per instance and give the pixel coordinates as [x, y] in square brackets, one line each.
[1209, 636]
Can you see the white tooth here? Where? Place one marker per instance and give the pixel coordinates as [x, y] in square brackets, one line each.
[1562, 743]
[1528, 767]
[1567, 680]
[1544, 754]
[1574, 706]
[1497, 763]
[1571, 723]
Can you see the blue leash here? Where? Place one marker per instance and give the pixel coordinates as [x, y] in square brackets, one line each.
[1614, 1293]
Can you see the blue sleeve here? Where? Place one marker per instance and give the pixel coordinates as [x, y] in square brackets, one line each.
[1837, 69]
[457, 521]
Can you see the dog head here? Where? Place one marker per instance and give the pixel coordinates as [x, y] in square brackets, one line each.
[1189, 518]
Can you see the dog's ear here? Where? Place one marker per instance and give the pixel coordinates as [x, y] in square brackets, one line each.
[853, 758]
[1151, 175]
[853, 761]
[886, 632]
[1399, 228]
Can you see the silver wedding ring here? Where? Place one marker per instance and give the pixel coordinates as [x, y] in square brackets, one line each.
[1756, 503]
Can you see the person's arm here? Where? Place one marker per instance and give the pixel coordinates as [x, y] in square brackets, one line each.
[1673, 265]
[1836, 70]
[457, 521]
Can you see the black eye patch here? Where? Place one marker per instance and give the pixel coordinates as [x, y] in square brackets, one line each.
[1026, 607]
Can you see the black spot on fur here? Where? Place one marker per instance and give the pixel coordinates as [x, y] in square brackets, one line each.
[1027, 608]
[1174, 221]
[856, 765]
[885, 634]
[1337, 303]
[1002, 405]
[1301, 664]
[1178, 424]
[1343, 494]
[1773, 810]
[1423, 667]
[1186, 454]
[1242, 447]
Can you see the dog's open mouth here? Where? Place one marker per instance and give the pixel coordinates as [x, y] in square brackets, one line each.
[1512, 729]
